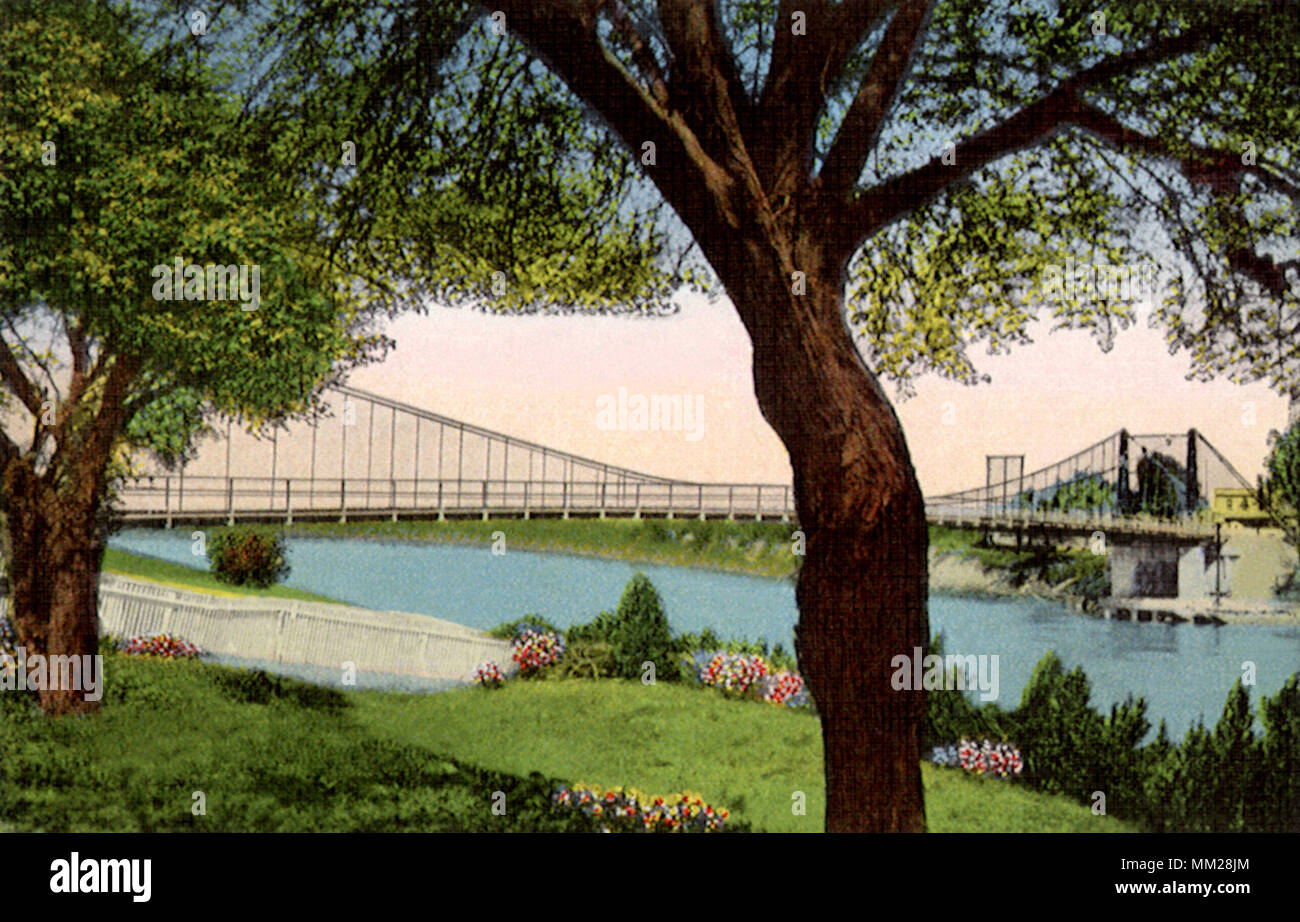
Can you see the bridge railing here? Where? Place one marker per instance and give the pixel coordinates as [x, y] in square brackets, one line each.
[168, 497]
[1073, 520]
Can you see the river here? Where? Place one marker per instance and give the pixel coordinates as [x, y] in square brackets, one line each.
[1184, 671]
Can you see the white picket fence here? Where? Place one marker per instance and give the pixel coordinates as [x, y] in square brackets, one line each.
[293, 631]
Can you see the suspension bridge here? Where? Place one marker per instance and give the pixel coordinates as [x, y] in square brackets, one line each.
[366, 456]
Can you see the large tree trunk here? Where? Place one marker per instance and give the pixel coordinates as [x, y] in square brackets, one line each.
[862, 587]
[54, 549]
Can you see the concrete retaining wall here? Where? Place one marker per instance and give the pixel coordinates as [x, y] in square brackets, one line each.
[292, 631]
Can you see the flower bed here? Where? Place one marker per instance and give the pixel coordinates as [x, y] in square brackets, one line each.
[488, 675]
[535, 649]
[1001, 760]
[629, 810]
[729, 671]
[161, 645]
[748, 674]
[785, 688]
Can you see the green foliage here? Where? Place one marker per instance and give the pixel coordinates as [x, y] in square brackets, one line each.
[153, 163]
[1082, 573]
[639, 632]
[1279, 760]
[1089, 491]
[951, 715]
[587, 659]
[598, 629]
[761, 548]
[1225, 780]
[247, 556]
[477, 171]
[1280, 489]
[1159, 478]
[777, 657]
[196, 580]
[509, 629]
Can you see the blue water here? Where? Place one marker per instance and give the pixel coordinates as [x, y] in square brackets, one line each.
[1184, 671]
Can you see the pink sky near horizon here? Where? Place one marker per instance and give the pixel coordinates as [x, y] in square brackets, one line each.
[540, 377]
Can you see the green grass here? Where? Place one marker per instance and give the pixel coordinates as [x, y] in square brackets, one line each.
[138, 566]
[757, 548]
[277, 755]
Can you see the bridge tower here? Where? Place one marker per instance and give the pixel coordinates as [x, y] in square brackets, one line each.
[1121, 485]
[1191, 481]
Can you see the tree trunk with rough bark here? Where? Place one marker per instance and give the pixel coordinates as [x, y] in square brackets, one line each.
[862, 588]
[55, 527]
[54, 550]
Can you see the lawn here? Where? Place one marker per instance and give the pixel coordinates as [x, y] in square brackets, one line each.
[280, 755]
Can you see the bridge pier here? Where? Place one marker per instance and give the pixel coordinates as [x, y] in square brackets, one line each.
[1168, 569]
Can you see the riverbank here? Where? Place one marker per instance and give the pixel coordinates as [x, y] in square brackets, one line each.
[958, 564]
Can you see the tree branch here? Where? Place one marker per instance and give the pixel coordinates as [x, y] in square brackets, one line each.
[641, 54]
[704, 83]
[11, 373]
[1219, 169]
[897, 197]
[862, 124]
[803, 71]
[563, 33]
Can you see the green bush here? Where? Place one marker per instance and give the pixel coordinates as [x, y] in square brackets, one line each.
[587, 659]
[1279, 759]
[639, 632]
[1225, 780]
[247, 557]
[508, 630]
[950, 715]
[598, 630]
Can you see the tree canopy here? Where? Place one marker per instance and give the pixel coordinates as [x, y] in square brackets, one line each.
[972, 147]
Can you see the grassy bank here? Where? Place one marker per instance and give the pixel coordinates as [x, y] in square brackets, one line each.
[757, 548]
[284, 756]
[177, 576]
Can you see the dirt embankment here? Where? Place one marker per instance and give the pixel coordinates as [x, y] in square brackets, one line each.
[954, 573]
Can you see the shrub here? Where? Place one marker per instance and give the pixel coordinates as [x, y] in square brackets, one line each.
[247, 557]
[599, 630]
[1225, 780]
[1279, 759]
[588, 659]
[510, 630]
[639, 631]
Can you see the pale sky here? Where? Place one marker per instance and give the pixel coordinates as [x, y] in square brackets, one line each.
[540, 378]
